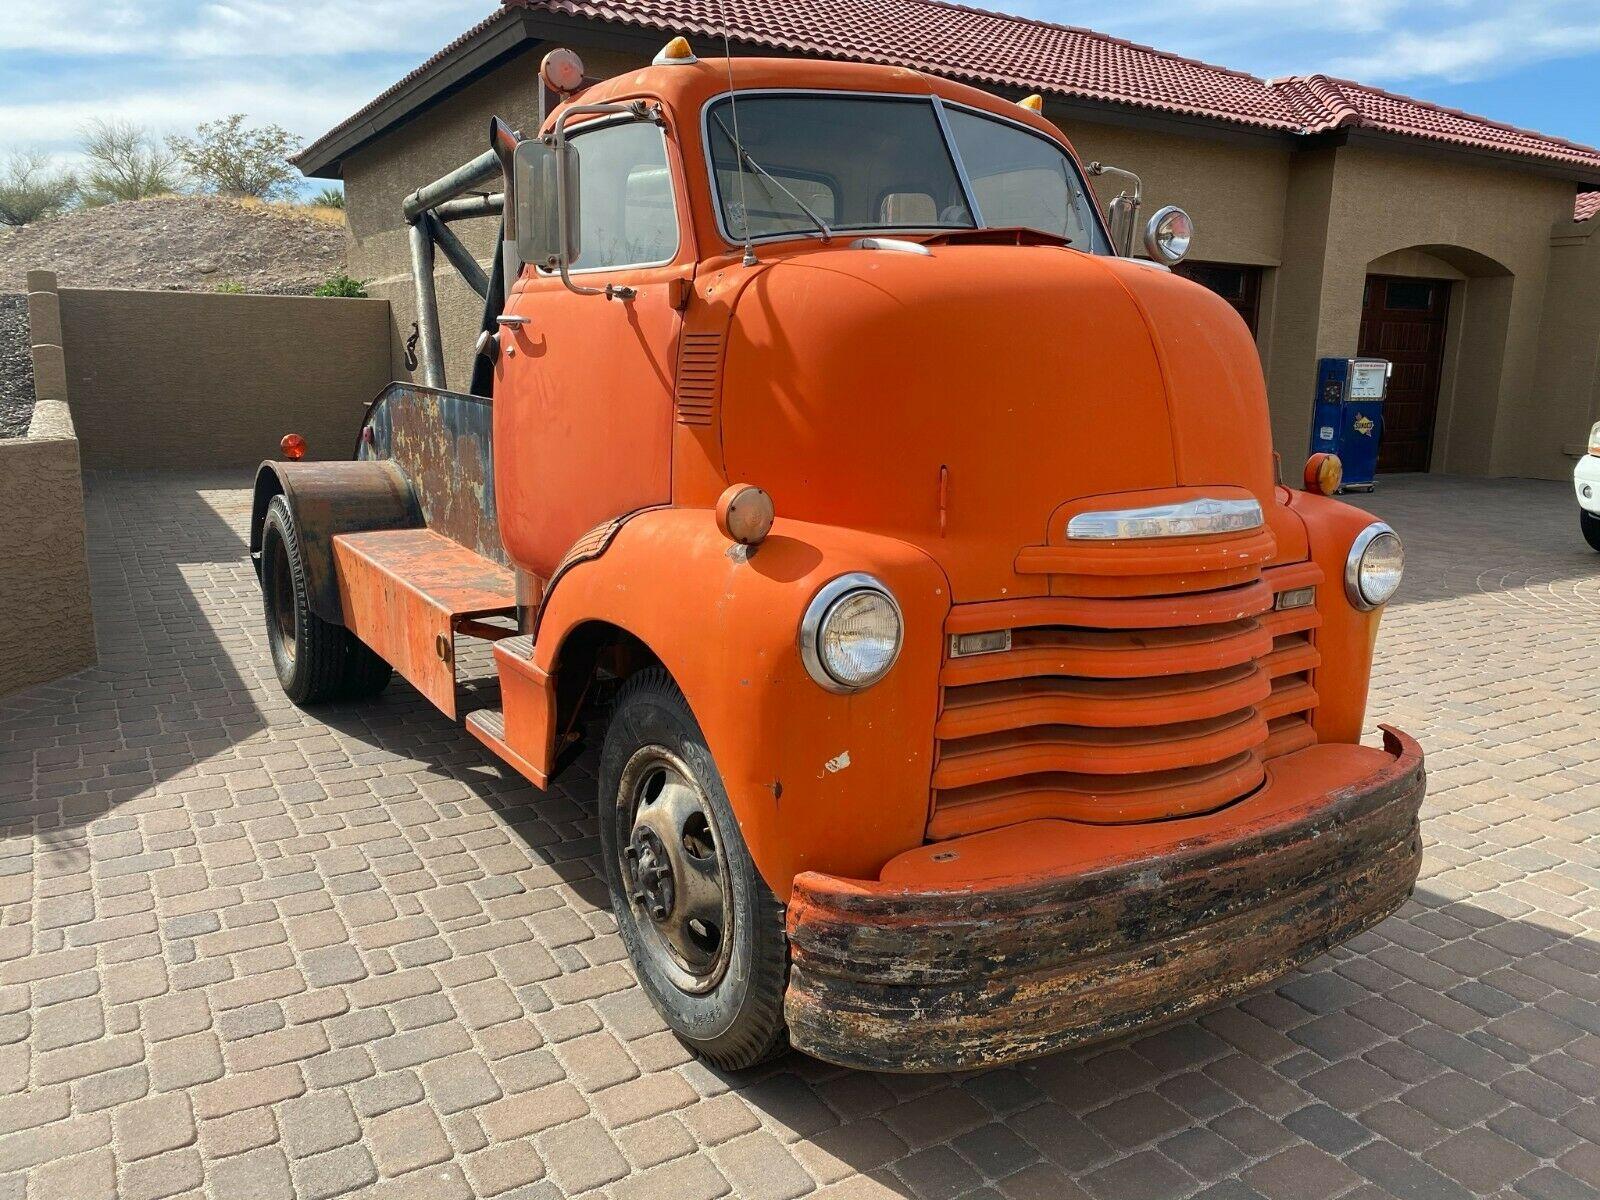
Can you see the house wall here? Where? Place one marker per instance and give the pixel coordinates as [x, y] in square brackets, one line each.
[1355, 210]
[161, 380]
[1567, 376]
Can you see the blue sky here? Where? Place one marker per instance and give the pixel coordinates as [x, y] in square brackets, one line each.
[306, 64]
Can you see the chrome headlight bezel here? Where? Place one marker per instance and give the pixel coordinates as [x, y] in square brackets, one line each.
[814, 623]
[1353, 563]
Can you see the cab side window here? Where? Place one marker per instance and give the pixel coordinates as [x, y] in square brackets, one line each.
[625, 206]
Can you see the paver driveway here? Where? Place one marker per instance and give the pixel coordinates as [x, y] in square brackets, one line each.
[249, 953]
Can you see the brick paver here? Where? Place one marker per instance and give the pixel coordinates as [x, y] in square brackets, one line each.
[246, 953]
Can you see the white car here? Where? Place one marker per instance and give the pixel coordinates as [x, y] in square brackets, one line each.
[1586, 481]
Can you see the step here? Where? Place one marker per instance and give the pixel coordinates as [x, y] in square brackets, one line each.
[488, 725]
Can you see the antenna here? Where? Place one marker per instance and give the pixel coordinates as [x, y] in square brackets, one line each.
[750, 259]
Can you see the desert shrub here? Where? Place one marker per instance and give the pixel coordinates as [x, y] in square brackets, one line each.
[231, 159]
[329, 198]
[125, 163]
[342, 285]
[230, 288]
[32, 188]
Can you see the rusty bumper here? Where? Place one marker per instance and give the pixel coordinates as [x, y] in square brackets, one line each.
[893, 977]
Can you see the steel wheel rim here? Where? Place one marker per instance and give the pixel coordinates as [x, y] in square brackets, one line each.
[284, 624]
[673, 870]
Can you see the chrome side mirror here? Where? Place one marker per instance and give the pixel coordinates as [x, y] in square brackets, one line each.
[1169, 235]
[546, 228]
[1123, 211]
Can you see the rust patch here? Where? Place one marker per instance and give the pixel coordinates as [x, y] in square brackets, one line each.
[444, 442]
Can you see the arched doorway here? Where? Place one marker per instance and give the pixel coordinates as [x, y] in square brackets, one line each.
[1440, 314]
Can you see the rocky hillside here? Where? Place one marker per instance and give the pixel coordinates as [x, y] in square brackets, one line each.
[179, 243]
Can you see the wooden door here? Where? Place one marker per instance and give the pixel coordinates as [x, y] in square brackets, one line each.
[1403, 320]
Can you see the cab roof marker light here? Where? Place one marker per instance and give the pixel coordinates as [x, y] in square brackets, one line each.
[1033, 103]
[675, 53]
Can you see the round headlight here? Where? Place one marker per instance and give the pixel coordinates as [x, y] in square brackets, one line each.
[851, 633]
[1168, 235]
[1372, 572]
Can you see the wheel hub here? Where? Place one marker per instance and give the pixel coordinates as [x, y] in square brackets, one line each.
[654, 886]
[673, 870]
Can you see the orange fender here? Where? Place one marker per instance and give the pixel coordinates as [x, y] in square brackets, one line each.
[819, 781]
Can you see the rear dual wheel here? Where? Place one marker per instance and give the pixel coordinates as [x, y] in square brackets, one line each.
[704, 931]
[315, 660]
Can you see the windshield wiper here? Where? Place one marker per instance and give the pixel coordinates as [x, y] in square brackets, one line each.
[744, 157]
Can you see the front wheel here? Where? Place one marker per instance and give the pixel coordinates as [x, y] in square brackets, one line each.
[704, 931]
[1590, 524]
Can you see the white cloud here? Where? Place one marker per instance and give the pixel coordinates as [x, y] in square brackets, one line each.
[236, 28]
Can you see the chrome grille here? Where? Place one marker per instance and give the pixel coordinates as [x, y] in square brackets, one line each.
[1112, 709]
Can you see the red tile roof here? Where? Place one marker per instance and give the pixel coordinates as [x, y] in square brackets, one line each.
[996, 50]
[1588, 204]
[953, 40]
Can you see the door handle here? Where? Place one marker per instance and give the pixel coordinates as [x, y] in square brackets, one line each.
[513, 321]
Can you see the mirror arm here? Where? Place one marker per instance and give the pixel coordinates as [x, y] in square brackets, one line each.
[639, 110]
[1122, 203]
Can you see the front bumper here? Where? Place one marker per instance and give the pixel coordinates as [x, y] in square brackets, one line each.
[1041, 936]
[1587, 475]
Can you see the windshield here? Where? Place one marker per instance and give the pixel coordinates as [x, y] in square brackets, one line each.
[864, 163]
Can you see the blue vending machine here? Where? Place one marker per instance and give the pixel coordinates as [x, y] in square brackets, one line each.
[1347, 418]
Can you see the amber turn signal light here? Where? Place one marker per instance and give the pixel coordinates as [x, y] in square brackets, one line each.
[744, 514]
[1324, 474]
[293, 446]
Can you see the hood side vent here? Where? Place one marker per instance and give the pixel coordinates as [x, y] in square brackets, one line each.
[699, 377]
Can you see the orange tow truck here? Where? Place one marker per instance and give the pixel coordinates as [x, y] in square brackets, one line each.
[966, 684]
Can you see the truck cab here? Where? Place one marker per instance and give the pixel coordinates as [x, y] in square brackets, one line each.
[967, 683]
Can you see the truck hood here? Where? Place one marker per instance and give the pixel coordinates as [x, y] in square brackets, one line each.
[958, 399]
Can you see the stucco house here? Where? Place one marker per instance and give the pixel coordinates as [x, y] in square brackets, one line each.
[1338, 218]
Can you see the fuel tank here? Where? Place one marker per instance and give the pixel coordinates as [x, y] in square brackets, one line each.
[957, 398]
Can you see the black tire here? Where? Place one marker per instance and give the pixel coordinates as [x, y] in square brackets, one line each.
[731, 1014]
[315, 660]
[1590, 524]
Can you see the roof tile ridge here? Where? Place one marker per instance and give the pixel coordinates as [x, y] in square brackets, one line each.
[1468, 116]
[1318, 98]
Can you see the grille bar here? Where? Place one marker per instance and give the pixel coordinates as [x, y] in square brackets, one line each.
[1116, 708]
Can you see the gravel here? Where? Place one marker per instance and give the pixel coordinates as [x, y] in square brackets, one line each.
[16, 367]
[179, 243]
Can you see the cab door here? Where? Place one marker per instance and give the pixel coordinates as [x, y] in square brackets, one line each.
[583, 383]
